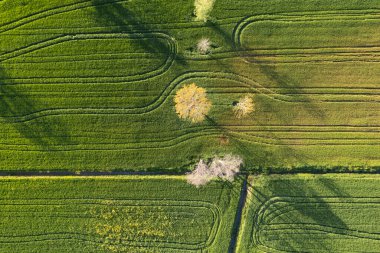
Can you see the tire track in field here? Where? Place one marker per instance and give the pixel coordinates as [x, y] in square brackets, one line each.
[51, 12]
[172, 47]
[302, 17]
[165, 203]
[299, 55]
[121, 141]
[262, 214]
[181, 139]
[163, 97]
[340, 56]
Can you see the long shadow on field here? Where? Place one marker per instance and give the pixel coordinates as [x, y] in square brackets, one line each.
[37, 132]
[219, 30]
[291, 86]
[301, 204]
[125, 21]
[255, 152]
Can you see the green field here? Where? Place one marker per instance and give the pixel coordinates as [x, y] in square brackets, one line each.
[312, 213]
[87, 90]
[88, 85]
[115, 214]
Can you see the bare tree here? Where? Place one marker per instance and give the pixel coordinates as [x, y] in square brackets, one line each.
[204, 46]
[192, 103]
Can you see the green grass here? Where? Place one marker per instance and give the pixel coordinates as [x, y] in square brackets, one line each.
[88, 85]
[115, 214]
[312, 213]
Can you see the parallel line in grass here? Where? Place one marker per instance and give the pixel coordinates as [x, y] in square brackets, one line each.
[170, 138]
[260, 212]
[153, 26]
[236, 89]
[322, 228]
[229, 54]
[250, 133]
[126, 243]
[52, 11]
[246, 138]
[213, 208]
[320, 97]
[244, 23]
[272, 215]
[114, 60]
[283, 212]
[248, 58]
[294, 200]
[37, 16]
[158, 146]
[162, 97]
[130, 243]
[171, 55]
[45, 13]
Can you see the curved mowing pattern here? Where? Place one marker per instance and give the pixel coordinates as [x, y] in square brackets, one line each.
[290, 37]
[95, 80]
[115, 213]
[279, 219]
[80, 4]
[87, 61]
[191, 213]
[318, 213]
[313, 19]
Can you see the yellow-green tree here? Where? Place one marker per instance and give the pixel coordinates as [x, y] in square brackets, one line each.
[203, 9]
[191, 103]
[244, 107]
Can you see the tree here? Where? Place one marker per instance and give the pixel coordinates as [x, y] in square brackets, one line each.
[244, 107]
[224, 168]
[192, 103]
[203, 46]
[200, 175]
[203, 9]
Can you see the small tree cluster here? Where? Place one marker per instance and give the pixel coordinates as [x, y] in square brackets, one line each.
[192, 103]
[244, 107]
[203, 9]
[224, 168]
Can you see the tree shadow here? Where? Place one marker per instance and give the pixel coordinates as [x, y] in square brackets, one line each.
[290, 85]
[262, 156]
[225, 35]
[300, 206]
[124, 20]
[14, 105]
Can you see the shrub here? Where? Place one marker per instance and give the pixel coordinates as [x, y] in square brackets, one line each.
[244, 107]
[191, 103]
[203, 46]
[203, 9]
[224, 168]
